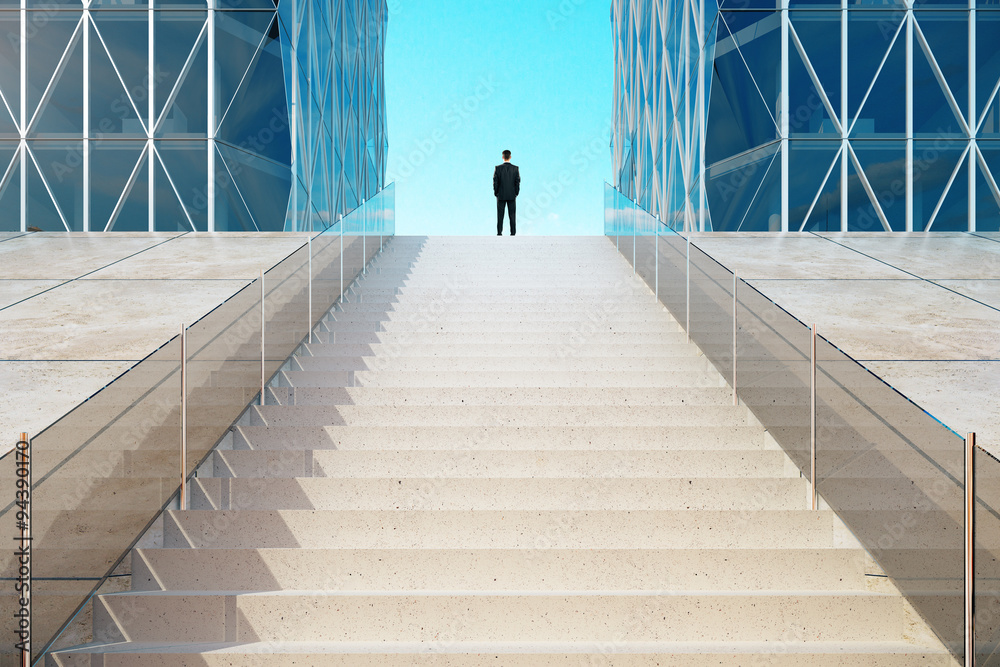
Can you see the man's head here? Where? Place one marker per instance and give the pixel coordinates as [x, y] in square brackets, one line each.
[506, 156]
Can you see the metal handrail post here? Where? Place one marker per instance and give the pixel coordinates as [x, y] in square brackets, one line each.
[970, 546]
[736, 398]
[309, 313]
[341, 258]
[364, 238]
[183, 497]
[687, 299]
[263, 326]
[656, 259]
[812, 421]
[635, 230]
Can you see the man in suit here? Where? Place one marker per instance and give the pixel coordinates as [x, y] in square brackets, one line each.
[506, 187]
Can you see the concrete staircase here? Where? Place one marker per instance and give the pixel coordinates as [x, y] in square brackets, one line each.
[501, 452]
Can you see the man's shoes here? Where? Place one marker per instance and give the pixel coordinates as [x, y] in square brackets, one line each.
[499, 234]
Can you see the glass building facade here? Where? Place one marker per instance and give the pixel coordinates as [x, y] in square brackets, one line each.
[189, 115]
[814, 115]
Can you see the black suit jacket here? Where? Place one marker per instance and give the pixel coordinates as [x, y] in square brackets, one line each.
[506, 181]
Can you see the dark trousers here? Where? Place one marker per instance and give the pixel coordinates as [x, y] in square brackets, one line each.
[511, 205]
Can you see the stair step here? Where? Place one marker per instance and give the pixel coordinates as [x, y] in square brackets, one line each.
[496, 437]
[535, 396]
[511, 415]
[450, 529]
[500, 494]
[498, 464]
[498, 617]
[498, 569]
[577, 378]
[566, 364]
[446, 653]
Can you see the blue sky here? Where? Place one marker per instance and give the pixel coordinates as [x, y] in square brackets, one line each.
[466, 79]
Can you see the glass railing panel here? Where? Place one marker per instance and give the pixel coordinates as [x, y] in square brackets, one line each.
[671, 277]
[286, 305]
[327, 283]
[712, 311]
[895, 476]
[100, 475]
[987, 559]
[223, 370]
[773, 372]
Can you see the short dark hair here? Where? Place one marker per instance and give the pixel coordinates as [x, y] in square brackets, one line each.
[506, 155]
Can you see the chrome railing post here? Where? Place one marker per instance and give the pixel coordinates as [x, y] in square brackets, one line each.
[364, 238]
[656, 259]
[687, 299]
[341, 260]
[812, 420]
[309, 312]
[736, 399]
[970, 545]
[263, 326]
[635, 229]
[184, 418]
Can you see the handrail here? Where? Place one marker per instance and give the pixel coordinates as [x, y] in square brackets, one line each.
[893, 472]
[106, 471]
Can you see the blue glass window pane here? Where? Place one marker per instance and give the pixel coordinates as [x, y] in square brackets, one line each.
[170, 216]
[175, 35]
[51, 205]
[9, 220]
[931, 3]
[231, 213]
[933, 115]
[110, 5]
[187, 164]
[265, 186]
[247, 4]
[884, 163]
[813, 186]
[732, 187]
[60, 114]
[808, 114]
[126, 37]
[953, 216]
[988, 70]
[10, 195]
[133, 215]
[947, 34]
[819, 33]
[987, 207]
[258, 119]
[61, 163]
[933, 164]
[884, 97]
[111, 165]
[10, 63]
[187, 114]
[112, 110]
[238, 35]
[739, 115]
[185, 4]
[52, 33]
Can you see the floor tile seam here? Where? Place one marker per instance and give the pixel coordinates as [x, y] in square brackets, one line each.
[926, 280]
[71, 280]
[11, 238]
